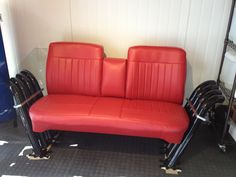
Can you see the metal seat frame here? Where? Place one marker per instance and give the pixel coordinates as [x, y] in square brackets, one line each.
[26, 91]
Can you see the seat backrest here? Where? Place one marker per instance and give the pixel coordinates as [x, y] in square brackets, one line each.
[74, 68]
[156, 73]
[113, 77]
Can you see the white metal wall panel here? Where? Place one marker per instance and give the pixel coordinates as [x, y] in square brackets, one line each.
[119, 24]
[205, 38]
[198, 26]
[39, 22]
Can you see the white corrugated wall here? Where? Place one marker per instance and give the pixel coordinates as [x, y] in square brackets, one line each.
[7, 29]
[198, 26]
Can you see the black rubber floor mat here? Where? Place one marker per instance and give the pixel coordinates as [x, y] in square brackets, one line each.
[95, 155]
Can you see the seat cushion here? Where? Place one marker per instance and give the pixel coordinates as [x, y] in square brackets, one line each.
[119, 116]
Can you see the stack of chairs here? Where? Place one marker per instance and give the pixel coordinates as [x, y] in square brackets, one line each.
[200, 109]
[26, 91]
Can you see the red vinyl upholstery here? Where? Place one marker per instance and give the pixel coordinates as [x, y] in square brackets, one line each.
[144, 102]
[114, 77]
[119, 116]
[74, 68]
[156, 73]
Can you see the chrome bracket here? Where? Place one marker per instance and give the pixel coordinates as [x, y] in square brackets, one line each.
[28, 99]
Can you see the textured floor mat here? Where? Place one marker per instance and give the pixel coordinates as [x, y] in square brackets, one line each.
[95, 155]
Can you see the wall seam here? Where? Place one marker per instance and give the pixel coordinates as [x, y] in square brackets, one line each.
[187, 26]
[207, 41]
[71, 26]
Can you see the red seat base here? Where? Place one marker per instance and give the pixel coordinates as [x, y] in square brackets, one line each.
[108, 115]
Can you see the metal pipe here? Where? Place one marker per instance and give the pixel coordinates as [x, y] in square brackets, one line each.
[231, 100]
[226, 39]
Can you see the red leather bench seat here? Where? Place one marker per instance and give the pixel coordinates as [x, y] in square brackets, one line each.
[109, 115]
[138, 96]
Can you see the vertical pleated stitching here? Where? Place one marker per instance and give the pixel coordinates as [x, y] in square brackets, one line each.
[136, 90]
[82, 83]
[147, 80]
[180, 88]
[171, 84]
[77, 76]
[85, 80]
[179, 97]
[56, 81]
[158, 81]
[143, 85]
[142, 80]
[69, 75]
[150, 84]
[93, 69]
[132, 79]
[89, 76]
[163, 84]
[153, 81]
[71, 72]
[50, 83]
[138, 79]
[64, 62]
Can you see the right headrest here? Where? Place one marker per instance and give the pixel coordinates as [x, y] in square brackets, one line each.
[156, 54]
